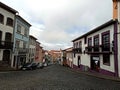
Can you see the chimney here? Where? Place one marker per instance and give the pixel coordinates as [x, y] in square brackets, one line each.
[115, 9]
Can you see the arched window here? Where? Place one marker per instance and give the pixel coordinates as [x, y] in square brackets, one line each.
[9, 21]
[1, 18]
[8, 37]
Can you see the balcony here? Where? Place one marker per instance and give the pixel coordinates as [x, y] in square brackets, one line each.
[6, 45]
[100, 49]
[21, 50]
[89, 48]
[77, 50]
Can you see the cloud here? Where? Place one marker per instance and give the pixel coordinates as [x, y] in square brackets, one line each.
[56, 22]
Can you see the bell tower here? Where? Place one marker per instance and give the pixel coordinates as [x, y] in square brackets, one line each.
[115, 9]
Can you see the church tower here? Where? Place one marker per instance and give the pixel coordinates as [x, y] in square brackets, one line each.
[116, 9]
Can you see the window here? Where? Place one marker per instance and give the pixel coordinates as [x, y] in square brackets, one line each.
[106, 59]
[17, 44]
[89, 41]
[0, 35]
[1, 18]
[9, 21]
[106, 41]
[18, 28]
[96, 43]
[90, 44]
[25, 32]
[85, 40]
[8, 37]
[76, 44]
[80, 44]
[24, 44]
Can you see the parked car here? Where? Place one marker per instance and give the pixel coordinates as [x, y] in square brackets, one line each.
[40, 65]
[29, 66]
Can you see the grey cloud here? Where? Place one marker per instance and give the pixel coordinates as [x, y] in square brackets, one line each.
[59, 16]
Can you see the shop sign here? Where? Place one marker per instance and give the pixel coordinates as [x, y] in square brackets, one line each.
[96, 58]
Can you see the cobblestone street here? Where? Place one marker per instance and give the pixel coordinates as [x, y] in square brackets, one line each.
[54, 77]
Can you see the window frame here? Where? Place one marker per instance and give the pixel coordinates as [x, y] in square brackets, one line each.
[0, 35]
[24, 44]
[18, 28]
[89, 44]
[9, 22]
[90, 41]
[17, 44]
[96, 43]
[104, 44]
[1, 18]
[25, 32]
[106, 59]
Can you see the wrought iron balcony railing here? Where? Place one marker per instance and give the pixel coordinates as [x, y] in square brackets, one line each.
[77, 50]
[6, 45]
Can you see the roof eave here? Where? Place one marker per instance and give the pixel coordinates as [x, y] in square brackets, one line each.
[2, 5]
[98, 28]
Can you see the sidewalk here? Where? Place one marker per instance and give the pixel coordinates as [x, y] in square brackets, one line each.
[95, 74]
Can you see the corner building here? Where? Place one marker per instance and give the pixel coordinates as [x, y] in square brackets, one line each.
[7, 18]
[99, 49]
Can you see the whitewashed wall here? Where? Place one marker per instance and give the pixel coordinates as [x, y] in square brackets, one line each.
[85, 58]
[3, 27]
[119, 50]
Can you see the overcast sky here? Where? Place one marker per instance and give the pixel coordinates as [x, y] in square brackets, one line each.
[55, 23]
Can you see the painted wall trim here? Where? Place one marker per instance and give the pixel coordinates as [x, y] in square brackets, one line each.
[116, 48]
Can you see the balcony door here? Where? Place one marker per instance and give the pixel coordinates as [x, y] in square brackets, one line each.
[106, 41]
[8, 37]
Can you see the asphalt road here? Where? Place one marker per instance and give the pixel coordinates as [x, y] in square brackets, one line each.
[54, 77]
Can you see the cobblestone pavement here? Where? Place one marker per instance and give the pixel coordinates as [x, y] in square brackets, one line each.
[54, 77]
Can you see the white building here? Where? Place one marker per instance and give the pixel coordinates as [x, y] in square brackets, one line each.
[7, 17]
[69, 56]
[99, 49]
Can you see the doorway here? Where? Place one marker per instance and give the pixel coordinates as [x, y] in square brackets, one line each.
[95, 63]
[79, 61]
[6, 56]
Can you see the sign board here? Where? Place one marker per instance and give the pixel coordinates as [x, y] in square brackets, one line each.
[96, 58]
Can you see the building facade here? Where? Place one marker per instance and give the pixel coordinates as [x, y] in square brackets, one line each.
[55, 55]
[7, 18]
[21, 42]
[63, 58]
[39, 55]
[32, 48]
[69, 56]
[99, 49]
[116, 15]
